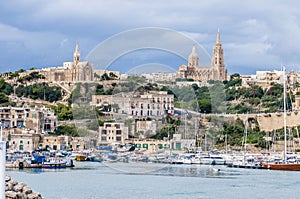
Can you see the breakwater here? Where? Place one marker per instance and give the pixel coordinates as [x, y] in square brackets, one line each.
[19, 190]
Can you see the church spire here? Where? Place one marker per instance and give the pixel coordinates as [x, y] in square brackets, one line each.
[218, 41]
[217, 61]
[76, 54]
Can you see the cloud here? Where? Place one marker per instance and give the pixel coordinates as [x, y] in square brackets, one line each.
[254, 34]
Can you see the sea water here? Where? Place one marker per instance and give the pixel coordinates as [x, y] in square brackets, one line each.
[91, 180]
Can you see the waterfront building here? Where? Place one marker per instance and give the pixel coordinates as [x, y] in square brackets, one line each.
[216, 71]
[61, 142]
[148, 145]
[179, 143]
[23, 141]
[76, 71]
[112, 133]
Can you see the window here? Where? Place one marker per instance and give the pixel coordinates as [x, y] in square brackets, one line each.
[28, 142]
[118, 132]
[21, 141]
[118, 138]
[103, 132]
[103, 138]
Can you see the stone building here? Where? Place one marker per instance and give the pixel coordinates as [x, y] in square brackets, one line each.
[37, 119]
[22, 140]
[112, 133]
[149, 145]
[152, 103]
[138, 104]
[76, 71]
[145, 128]
[63, 142]
[56, 142]
[216, 71]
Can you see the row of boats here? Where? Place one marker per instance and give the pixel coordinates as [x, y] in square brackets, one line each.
[57, 159]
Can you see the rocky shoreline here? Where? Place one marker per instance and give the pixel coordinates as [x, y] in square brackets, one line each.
[19, 190]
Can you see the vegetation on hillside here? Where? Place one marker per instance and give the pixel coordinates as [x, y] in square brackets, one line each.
[40, 91]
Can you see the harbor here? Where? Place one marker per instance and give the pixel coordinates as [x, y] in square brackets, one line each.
[90, 179]
[139, 99]
[63, 159]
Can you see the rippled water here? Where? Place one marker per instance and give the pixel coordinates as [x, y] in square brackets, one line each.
[90, 180]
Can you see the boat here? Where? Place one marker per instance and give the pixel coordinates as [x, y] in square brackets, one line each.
[285, 164]
[80, 157]
[54, 163]
[212, 160]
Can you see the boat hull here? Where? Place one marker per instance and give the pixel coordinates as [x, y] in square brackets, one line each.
[285, 167]
[54, 165]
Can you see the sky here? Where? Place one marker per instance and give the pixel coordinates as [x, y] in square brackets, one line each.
[256, 35]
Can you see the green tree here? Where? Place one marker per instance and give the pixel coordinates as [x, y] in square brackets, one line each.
[3, 98]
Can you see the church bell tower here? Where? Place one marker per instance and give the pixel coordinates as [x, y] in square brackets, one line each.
[217, 63]
[76, 55]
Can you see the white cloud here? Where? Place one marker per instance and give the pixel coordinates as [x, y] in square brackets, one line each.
[253, 33]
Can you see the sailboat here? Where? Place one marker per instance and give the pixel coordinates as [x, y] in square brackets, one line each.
[285, 165]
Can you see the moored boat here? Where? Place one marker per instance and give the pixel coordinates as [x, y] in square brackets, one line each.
[80, 158]
[54, 164]
[282, 166]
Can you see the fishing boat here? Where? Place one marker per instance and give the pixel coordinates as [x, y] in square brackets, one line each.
[285, 164]
[54, 163]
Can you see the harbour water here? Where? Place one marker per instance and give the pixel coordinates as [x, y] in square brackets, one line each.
[93, 180]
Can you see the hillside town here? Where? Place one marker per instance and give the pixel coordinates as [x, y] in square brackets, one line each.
[75, 107]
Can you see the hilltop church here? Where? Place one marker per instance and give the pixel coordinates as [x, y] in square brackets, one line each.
[216, 71]
[76, 71]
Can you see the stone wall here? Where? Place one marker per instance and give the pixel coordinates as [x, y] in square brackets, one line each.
[272, 121]
[19, 190]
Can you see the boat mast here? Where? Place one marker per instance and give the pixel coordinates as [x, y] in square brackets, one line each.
[245, 138]
[284, 113]
[226, 149]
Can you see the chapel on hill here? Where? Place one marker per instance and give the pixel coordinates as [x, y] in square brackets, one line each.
[75, 71]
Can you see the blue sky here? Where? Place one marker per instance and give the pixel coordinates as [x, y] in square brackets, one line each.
[256, 35]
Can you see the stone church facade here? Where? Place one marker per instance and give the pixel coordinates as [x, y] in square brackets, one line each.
[216, 71]
[76, 71]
